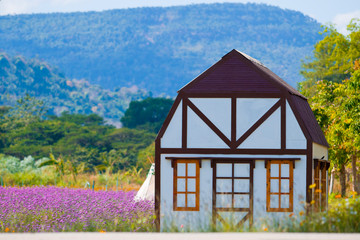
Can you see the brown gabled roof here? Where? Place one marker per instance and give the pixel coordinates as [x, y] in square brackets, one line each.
[309, 120]
[237, 72]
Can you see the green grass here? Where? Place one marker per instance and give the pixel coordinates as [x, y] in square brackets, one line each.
[343, 216]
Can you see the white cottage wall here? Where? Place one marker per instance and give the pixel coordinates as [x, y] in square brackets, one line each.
[217, 110]
[299, 190]
[173, 134]
[200, 135]
[295, 138]
[320, 152]
[249, 110]
[267, 135]
[191, 220]
[201, 220]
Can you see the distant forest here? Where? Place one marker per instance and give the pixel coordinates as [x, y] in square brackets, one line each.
[161, 49]
[20, 76]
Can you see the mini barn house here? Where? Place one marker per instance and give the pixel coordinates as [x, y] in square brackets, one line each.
[239, 144]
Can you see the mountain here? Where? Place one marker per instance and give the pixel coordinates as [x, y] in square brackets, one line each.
[161, 49]
[19, 76]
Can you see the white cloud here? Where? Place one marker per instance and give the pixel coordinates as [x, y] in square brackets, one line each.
[38, 6]
[15, 6]
[342, 20]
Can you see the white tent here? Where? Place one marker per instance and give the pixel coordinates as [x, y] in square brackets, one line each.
[147, 190]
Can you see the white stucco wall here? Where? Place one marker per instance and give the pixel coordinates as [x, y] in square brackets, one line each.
[295, 138]
[267, 135]
[200, 135]
[200, 220]
[192, 220]
[217, 110]
[299, 190]
[173, 134]
[249, 110]
[320, 151]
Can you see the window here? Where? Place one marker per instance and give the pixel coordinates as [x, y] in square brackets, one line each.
[279, 186]
[233, 186]
[186, 185]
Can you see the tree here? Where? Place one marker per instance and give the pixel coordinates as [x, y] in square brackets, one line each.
[109, 159]
[148, 114]
[80, 119]
[26, 111]
[58, 163]
[333, 57]
[334, 75]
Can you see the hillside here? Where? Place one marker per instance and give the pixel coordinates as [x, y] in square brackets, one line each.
[161, 49]
[19, 76]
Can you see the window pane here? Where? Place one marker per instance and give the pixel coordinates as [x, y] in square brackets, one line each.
[274, 185]
[181, 200]
[285, 201]
[242, 170]
[285, 170]
[191, 200]
[181, 185]
[181, 169]
[191, 187]
[274, 170]
[223, 185]
[274, 201]
[191, 169]
[224, 170]
[241, 201]
[285, 186]
[241, 185]
[223, 200]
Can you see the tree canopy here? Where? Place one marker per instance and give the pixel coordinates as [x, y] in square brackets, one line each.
[333, 85]
[148, 114]
[333, 57]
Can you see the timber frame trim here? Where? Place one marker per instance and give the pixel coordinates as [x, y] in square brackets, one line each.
[183, 98]
[284, 96]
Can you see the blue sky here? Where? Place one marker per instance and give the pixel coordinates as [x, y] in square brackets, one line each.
[338, 12]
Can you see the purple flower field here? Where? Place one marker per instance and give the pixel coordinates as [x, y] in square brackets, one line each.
[54, 209]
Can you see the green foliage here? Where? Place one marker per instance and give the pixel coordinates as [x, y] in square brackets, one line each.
[148, 114]
[333, 84]
[80, 119]
[342, 216]
[79, 141]
[14, 165]
[21, 79]
[159, 49]
[27, 110]
[333, 57]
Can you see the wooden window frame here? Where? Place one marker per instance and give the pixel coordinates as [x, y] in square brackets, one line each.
[279, 193]
[233, 178]
[186, 177]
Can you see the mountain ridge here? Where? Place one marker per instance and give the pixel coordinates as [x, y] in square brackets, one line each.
[161, 49]
[20, 76]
